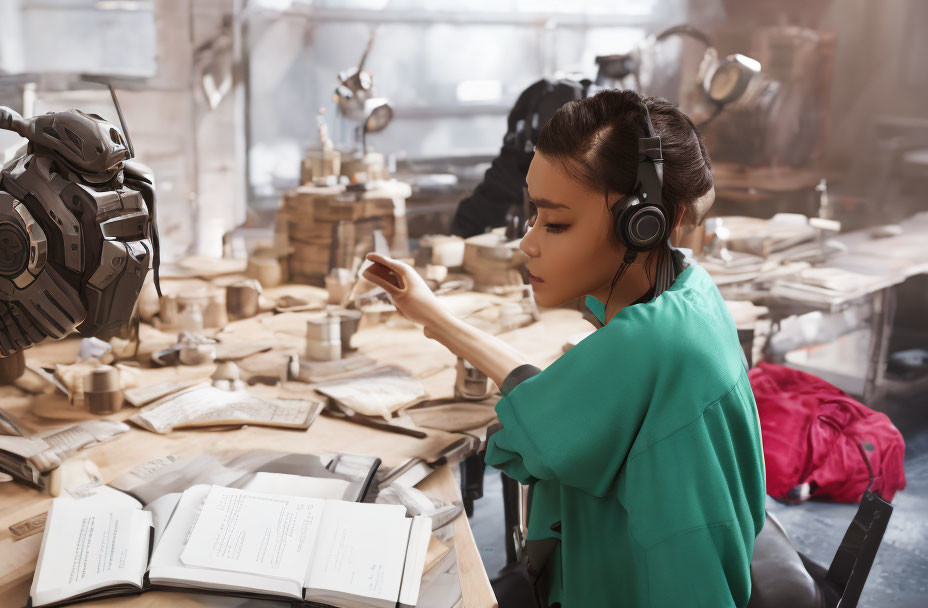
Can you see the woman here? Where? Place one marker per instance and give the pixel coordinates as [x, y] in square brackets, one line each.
[642, 443]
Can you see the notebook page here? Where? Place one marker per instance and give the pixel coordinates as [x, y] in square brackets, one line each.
[242, 531]
[360, 552]
[167, 569]
[87, 547]
[298, 485]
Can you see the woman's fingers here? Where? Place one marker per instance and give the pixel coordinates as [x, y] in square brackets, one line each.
[380, 281]
[388, 262]
[388, 274]
[392, 270]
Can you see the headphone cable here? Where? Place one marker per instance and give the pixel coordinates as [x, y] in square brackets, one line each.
[630, 256]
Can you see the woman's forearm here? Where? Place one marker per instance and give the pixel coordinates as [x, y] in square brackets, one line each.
[486, 352]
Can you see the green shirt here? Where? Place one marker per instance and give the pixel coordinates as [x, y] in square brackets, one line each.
[643, 442]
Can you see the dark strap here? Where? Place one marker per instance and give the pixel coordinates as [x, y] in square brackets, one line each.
[535, 563]
[516, 376]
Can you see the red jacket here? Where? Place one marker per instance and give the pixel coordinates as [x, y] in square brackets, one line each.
[815, 434]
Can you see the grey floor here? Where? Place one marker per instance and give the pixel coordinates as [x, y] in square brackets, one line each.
[899, 577]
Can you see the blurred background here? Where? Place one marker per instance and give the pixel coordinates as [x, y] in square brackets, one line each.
[252, 113]
[222, 96]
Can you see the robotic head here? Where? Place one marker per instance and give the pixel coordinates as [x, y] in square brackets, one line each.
[77, 230]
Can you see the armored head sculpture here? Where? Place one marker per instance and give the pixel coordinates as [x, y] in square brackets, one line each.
[77, 230]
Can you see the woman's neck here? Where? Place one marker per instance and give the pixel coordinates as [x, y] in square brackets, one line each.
[631, 287]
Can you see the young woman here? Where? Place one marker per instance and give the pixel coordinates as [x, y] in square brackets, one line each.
[642, 443]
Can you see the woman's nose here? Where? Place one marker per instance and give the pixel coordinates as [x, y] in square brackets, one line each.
[528, 245]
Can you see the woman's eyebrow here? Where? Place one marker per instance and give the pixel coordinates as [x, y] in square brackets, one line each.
[544, 203]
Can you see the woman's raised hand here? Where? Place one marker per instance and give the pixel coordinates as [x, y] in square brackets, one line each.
[413, 298]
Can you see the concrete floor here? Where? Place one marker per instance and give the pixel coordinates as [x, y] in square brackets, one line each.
[899, 577]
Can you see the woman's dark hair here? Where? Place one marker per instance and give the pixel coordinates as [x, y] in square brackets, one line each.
[595, 140]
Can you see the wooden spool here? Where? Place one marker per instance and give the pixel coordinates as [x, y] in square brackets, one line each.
[242, 299]
[103, 390]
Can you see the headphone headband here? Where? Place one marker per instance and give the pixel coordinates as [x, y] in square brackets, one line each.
[641, 219]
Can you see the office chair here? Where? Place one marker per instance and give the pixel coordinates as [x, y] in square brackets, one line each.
[780, 575]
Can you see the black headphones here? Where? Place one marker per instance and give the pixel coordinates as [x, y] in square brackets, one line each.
[641, 220]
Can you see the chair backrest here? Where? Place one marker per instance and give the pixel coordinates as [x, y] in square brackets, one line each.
[853, 559]
[779, 576]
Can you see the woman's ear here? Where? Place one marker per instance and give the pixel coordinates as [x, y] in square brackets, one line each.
[686, 232]
[679, 217]
[702, 205]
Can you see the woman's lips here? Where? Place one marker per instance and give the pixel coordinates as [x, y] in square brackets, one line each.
[535, 279]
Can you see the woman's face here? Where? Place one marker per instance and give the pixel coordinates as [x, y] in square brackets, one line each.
[570, 247]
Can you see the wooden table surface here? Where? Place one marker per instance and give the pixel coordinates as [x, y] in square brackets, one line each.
[393, 342]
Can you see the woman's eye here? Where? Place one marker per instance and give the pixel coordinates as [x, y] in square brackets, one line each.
[557, 227]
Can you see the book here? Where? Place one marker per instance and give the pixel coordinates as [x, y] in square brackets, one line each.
[205, 405]
[276, 472]
[27, 459]
[16, 459]
[237, 542]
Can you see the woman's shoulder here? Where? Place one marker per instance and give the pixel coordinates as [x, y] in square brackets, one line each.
[689, 321]
[693, 295]
[690, 318]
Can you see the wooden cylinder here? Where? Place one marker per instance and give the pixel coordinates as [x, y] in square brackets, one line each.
[170, 313]
[214, 313]
[323, 338]
[265, 270]
[350, 319]
[471, 383]
[242, 299]
[103, 390]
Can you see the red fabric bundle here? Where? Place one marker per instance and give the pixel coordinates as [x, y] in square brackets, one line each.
[815, 434]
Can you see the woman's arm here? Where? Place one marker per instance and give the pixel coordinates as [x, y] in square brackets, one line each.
[415, 301]
[486, 352]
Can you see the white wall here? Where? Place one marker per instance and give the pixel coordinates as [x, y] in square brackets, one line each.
[423, 50]
[191, 148]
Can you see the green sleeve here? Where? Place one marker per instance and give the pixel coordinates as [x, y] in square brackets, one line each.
[576, 420]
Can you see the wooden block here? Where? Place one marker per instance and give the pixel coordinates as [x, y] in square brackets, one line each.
[310, 231]
[320, 164]
[310, 252]
[333, 210]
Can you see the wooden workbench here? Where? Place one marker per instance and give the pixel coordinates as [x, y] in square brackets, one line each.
[405, 345]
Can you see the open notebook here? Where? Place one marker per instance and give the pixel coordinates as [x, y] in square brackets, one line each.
[237, 542]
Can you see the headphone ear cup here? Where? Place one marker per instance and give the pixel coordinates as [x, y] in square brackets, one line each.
[618, 212]
[642, 225]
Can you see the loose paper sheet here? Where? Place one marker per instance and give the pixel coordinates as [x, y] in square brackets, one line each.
[205, 405]
[377, 394]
